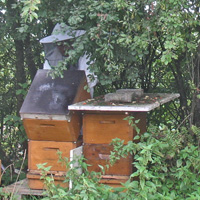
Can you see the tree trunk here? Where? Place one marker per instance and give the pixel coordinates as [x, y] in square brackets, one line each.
[20, 72]
[196, 101]
[13, 21]
[182, 88]
[29, 58]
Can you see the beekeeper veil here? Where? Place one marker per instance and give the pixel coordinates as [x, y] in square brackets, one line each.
[61, 32]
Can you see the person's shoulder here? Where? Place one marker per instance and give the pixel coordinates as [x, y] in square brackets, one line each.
[46, 65]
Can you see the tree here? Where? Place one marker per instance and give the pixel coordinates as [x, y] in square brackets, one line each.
[18, 67]
[148, 44]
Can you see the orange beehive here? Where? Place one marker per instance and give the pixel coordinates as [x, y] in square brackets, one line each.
[36, 183]
[101, 128]
[53, 129]
[45, 111]
[114, 181]
[103, 120]
[99, 154]
[40, 152]
[47, 152]
[98, 131]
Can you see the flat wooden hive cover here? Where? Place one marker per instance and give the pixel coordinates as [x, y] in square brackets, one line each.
[49, 96]
[145, 103]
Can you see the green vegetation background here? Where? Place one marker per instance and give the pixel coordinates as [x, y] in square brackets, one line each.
[150, 44]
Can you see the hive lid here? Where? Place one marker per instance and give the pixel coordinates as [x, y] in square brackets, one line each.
[145, 103]
[48, 96]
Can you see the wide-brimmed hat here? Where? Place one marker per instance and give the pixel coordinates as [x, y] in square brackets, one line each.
[62, 32]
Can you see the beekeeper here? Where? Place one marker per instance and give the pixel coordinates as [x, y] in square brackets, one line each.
[58, 44]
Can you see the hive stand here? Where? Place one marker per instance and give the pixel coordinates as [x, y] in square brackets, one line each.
[21, 189]
[104, 121]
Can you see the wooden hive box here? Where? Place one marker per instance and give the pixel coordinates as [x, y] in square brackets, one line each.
[47, 152]
[104, 121]
[45, 111]
[98, 154]
[114, 181]
[101, 128]
[36, 183]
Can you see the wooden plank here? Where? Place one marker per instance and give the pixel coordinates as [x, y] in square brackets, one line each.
[35, 183]
[100, 105]
[75, 154]
[114, 182]
[21, 188]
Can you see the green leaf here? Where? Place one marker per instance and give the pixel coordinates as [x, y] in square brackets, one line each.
[137, 121]
[179, 163]
[137, 137]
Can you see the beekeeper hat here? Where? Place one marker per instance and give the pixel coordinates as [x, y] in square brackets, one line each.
[62, 32]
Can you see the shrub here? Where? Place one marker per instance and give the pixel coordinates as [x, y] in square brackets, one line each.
[166, 162]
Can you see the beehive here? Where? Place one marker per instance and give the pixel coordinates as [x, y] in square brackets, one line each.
[48, 123]
[104, 121]
[45, 111]
[102, 127]
[47, 152]
[98, 131]
[36, 183]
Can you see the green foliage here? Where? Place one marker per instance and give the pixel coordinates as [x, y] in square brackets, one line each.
[12, 150]
[131, 44]
[29, 9]
[4, 195]
[86, 186]
[166, 166]
[23, 90]
[126, 38]
[132, 122]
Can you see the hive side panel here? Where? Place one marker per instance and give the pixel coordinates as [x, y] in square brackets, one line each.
[35, 183]
[82, 93]
[98, 154]
[75, 125]
[47, 152]
[101, 129]
[52, 130]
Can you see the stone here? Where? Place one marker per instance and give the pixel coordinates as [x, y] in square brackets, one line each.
[135, 92]
[119, 97]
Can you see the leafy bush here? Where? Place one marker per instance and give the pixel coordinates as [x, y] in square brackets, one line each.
[166, 162]
[13, 145]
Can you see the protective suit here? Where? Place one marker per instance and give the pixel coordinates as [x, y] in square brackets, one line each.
[53, 56]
